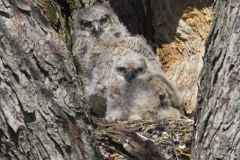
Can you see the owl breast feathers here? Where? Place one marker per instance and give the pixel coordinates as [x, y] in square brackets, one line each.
[119, 71]
[94, 58]
[137, 92]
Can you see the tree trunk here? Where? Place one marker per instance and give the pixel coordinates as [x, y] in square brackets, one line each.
[42, 115]
[217, 120]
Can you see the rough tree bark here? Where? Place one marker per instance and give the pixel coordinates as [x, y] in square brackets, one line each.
[218, 118]
[42, 115]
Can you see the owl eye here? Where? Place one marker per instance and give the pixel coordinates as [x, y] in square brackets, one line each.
[86, 24]
[104, 20]
[140, 70]
[121, 69]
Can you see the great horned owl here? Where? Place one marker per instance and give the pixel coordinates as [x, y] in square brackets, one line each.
[136, 91]
[98, 32]
[100, 24]
[98, 20]
[95, 61]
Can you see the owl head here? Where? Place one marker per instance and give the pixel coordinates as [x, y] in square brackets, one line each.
[131, 66]
[98, 20]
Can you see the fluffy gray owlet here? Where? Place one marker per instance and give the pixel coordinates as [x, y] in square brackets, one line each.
[98, 32]
[95, 61]
[98, 20]
[93, 26]
[135, 91]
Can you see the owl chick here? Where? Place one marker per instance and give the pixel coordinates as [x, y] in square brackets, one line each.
[98, 32]
[136, 91]
[94, 59]
[100, 24]
[98, 20]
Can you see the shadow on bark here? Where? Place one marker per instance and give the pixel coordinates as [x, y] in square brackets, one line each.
[157, 20]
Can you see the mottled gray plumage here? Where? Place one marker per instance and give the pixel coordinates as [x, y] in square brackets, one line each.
[95, 59]
[95, 49]
[98, 20]
[136, 91]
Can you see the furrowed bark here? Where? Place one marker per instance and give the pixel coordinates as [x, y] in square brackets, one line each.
[218, 117]
[42, 115]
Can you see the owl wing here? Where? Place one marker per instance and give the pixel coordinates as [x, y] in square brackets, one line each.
[81, 53]
[168, 95]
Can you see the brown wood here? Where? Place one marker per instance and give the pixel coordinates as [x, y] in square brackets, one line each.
[217, 120]
[42, 115]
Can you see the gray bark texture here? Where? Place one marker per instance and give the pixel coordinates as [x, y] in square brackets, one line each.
[218, 117]
[42, 115]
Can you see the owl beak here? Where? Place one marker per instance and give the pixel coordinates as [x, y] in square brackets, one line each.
[130, 75]
[97, 27]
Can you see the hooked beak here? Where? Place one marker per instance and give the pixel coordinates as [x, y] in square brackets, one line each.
[97, 28]
[130, 76]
